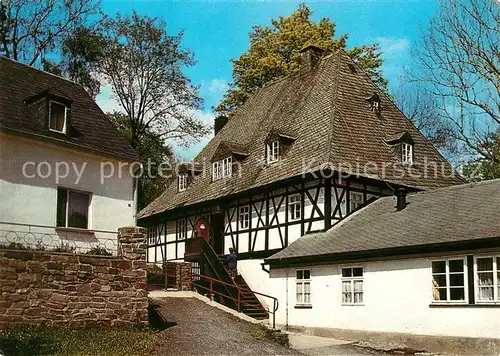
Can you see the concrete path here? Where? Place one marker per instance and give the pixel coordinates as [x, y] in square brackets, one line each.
[204, 327]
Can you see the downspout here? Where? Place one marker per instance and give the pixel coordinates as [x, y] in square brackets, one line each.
[286, 300]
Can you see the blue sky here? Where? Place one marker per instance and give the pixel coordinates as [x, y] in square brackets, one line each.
[217, 31]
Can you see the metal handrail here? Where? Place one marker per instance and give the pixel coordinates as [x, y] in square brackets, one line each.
[55, 227]
[238, 299]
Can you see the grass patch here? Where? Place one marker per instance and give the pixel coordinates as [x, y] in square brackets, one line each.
[258, 331]
[91, 341]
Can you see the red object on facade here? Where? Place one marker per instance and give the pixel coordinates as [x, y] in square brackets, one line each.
[202, 229]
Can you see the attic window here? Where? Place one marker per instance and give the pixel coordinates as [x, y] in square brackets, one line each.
[407, 153]
[273, 151]
[374, 101]
[57, 117]
[183, 182]
[222, 168]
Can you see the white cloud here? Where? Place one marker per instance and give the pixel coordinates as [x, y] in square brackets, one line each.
[218, 86]
[393, 46]
[106, 101]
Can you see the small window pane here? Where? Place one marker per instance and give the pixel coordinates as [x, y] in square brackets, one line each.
[357, 272]
[485, 264]
[307, 274]
[485, 293]
[485, 278]
[358, 286]
[62, 195]
[457, 294]
[78, 210]
[457, 280]
[456, 265]
[299, 288]
[358, 297]
[57, 116]
[346, 272]
[439, 267]
[299, 274]
[307, 287]
[442, 294]
[346, 286]
[440, 280]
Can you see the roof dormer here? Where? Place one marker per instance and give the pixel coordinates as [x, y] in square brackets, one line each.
[277, 144]
[374, 101]
[187, 171]
[56, 107]
[402, 145]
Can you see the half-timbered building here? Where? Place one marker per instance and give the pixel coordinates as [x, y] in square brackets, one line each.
[304, 152]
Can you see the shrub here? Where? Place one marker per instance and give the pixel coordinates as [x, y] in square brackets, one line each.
[99, 251]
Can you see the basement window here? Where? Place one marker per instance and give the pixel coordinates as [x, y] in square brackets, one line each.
[303, 287]
[72, 209]
[57, 117]
[449, 280]
[352, 285]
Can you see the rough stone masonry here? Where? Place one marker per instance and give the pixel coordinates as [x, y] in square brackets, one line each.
[72, 290]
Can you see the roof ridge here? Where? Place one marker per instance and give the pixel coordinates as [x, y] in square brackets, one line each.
[460, 186]
[40, 70]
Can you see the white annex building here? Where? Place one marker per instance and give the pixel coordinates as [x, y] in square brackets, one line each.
[64, 168]
[428, 264]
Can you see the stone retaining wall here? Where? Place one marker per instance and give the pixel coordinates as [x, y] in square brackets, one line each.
[72, 290]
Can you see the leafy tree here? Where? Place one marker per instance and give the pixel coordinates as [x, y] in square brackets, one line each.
[144, 66]
[458, 64]
[481, 168]
[153, 149]
[274, 53]
[31, 30]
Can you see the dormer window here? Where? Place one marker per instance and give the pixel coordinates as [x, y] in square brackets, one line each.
[407, 153]
[273, 151]
[374, 101]
[222, 168]
[183, 182]
[57, 117]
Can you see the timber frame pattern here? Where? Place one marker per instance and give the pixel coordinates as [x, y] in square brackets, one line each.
[269, 217]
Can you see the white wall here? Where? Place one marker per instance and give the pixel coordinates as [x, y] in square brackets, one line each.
[33, 201]
[397, 295]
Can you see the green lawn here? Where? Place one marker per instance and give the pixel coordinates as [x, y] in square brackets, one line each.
[60, 341]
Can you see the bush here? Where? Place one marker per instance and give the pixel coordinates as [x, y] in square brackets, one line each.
[99, 251]
[155, 274]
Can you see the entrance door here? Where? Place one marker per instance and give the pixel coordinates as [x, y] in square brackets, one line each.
[217, 233]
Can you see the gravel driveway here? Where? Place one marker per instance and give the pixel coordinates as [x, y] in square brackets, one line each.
[204, 330]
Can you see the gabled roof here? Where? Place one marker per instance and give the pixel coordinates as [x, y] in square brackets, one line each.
[333, 124]
[447, 215]
[90, 129]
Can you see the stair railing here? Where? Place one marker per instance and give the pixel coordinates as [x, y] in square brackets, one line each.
[237, 300]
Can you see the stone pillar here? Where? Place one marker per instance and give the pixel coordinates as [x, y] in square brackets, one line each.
[132, 243]
[184, 276]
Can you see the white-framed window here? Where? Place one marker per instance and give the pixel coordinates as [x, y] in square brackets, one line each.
[152, 236]
[181, 229]
[273, 151]
[352, 285]
[355, 200]
[222, 169]
[303, 286]
[487, 272]
[244, 216]
[407, 153]
[57, 116]
[183, 181]
[449, 280]
[72, 208]
[295, 206]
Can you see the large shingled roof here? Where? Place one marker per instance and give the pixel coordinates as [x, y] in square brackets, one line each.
[90, 127]
[458, 213]
[326, 110]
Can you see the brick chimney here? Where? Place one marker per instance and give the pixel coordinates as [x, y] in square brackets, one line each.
[310, 57]
[219, 123]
